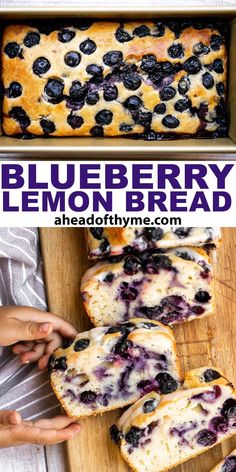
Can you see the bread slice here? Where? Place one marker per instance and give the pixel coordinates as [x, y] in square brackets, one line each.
[161, 432]
[104, 242]
[170, 287]
[228, 464]
[108, 368]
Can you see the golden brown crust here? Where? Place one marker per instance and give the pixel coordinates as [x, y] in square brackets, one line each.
[218, 467]
[36, 104]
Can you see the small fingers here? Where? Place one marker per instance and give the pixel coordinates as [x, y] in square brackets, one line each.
[23, 347]
[58, 422]
[34, 355]
[10, 418]
[43, 362]
[36, 435]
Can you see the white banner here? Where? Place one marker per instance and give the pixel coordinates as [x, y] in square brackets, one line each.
[112, 193]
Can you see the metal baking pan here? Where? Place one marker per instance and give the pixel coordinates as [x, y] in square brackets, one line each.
[113, 147]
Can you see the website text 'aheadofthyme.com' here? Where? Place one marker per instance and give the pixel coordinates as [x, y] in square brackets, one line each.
[118, 194]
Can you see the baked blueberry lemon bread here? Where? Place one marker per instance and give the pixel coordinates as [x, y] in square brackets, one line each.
[104, 242]
[228, 464]
[152, 78]
[160, 432]
[108, 368]
[170, 287]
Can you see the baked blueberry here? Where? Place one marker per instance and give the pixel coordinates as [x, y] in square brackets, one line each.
[149, 406]
[132, 81]
[149, 63]
[88, 396]
[132, 265]
[12, 50]
[104, 117]
[77, 90]
[182, 232]
[142, 118]
[133, 102]
[116, 434]
[166, 383]
[141, 31]
[200, 48]
[75, 121]
[94, 70]
[218, 66]
[66, 35]
[81, 344]
[127, 292]
[206, 438]
[219, 424]
[170, 121]
[133, 436]
[159, 29]
[125, 128]
[197, 309]
[72, 58]
[32, 39]
[88, 47]
[192, 65]
[104, 246]
[92, 98]
[167, 93]
[207, 80]
[216, 41]
[57, 363]
[113, 58]
[122, 36]
[97, 131]
[229, 465]
[160, 109]
[220, 88]
[54, 90]
[109, 278]
[153, 234]
[14, 90]
[18, 114]
[210, 375]
[176, 51]
[41, 65]
[182, 105]
[163, 262]
[229, 408]
[202, 296]
[47, 126]
[184, 85]
[110, 93]
[83, 24]
[175, 26]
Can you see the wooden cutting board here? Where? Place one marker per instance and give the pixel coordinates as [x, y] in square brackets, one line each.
[202, 342]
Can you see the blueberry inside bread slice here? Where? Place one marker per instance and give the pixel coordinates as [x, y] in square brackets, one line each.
[228, 464]
[170, 287]
[111, 367]
[160, 432]
[104, 242]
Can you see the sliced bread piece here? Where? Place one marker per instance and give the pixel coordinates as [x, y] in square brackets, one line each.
[104, 242]
[161, 432]
[228, 464]
[108, 368]
[170, 287]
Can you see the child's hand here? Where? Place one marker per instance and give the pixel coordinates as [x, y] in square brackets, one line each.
[41, 333]
[14, 431]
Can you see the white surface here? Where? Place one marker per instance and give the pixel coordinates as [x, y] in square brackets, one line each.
[118, 3]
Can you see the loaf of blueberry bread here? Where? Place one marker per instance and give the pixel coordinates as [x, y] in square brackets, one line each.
[153, 78]
[170, 287]
[160, 432]
[228, 464]
[108, 368]
[105, 242]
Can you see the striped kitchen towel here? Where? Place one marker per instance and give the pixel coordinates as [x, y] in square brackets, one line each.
[23, 387]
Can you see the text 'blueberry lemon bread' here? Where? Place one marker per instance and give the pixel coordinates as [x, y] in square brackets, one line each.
[170, 287]
[228, 464]
[152, 78]
[108, 368]
[160, 432]
[104, 242]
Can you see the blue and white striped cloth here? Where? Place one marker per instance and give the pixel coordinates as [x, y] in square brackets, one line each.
[23, 387]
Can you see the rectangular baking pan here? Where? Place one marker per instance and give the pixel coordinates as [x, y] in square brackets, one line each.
[113, 147]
